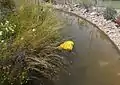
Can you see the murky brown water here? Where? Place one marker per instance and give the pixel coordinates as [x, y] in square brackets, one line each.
[96, 60]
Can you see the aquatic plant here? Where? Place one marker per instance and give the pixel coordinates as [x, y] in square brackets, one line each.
[30, 52]
[81, 22]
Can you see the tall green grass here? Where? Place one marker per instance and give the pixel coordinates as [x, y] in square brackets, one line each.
[30, 54]
[6, 7]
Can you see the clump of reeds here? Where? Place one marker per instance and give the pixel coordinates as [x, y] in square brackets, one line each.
[30, 53]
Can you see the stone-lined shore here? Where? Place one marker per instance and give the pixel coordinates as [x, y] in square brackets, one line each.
[108, 27]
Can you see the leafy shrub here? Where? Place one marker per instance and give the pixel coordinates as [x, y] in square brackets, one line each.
[109, 13]
[30, 52]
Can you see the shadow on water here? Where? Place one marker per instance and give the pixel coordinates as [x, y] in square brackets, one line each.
[95, 60]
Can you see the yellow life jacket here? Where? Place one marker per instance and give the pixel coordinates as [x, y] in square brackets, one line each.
[67, 45]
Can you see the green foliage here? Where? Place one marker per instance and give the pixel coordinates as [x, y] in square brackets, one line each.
[30, 48]
[36, 25]
[7, 4]
[7, 30]
[110, 13]
[6, 7]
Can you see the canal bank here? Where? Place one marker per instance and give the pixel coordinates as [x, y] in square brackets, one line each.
[95, 60]
[108, 27]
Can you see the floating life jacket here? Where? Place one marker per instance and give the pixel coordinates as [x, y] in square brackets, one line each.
[67, 45]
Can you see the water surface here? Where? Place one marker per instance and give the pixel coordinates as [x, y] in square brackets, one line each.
[95, 60]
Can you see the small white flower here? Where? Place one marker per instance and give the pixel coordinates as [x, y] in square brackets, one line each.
[6, 29]
[7, 22]
[22, 38]
[33, 30]
[11, 29]
[2, 24]
[2, 41]
[1, 33]
[14, 25]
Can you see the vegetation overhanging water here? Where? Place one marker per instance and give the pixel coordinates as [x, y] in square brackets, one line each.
[29, 37]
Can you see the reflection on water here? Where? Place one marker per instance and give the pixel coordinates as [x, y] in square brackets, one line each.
[95, 62]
